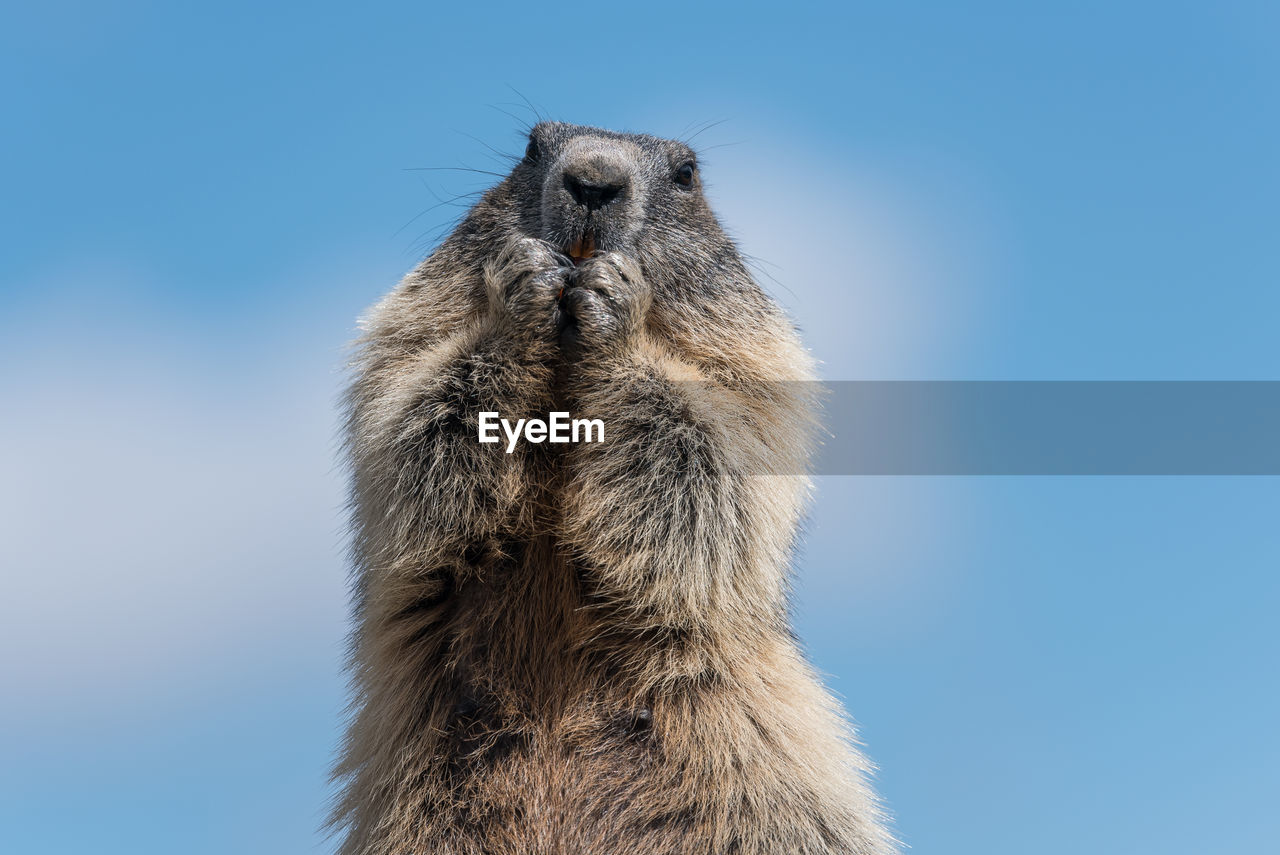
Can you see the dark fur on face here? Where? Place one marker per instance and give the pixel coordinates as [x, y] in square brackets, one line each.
[585, 649]
[624, 192]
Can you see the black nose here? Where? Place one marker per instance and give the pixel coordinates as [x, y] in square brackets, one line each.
[593, 194]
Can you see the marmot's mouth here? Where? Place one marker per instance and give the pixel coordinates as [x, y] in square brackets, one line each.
[582, 248]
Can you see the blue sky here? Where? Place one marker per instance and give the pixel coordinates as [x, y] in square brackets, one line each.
[199, 201]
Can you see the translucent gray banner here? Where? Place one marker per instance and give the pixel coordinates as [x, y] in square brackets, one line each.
[1038, 428]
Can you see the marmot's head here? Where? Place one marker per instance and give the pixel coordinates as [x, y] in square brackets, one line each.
[586, 190]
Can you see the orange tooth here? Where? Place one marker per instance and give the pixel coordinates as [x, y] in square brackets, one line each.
[583, 247]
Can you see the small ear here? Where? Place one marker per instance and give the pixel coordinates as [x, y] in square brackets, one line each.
[537, 143]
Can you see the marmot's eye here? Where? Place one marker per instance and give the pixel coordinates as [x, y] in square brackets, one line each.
[684, 175]
[531, 151]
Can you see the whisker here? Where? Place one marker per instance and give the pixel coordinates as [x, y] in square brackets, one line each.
[721, 145]
[440, 203]
[706, 127]
[759, 264]
[453, 169]
[501, 155]
[537, 114]
[521, 122]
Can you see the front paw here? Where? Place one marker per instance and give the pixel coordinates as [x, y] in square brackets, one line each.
[605, 304]
[525, 284]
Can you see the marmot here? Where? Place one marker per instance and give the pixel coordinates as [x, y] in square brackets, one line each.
[585, 649]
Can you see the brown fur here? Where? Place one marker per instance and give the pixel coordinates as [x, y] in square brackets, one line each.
[584, 649]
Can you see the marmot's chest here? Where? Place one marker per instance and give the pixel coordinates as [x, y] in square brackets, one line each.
[547, 739]
[539, 720]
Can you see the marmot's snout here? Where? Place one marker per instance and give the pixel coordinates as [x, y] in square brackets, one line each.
[595, 184]
[592, 197]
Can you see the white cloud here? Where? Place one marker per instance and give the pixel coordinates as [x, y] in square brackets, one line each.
[161, 513]
[881, 268]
